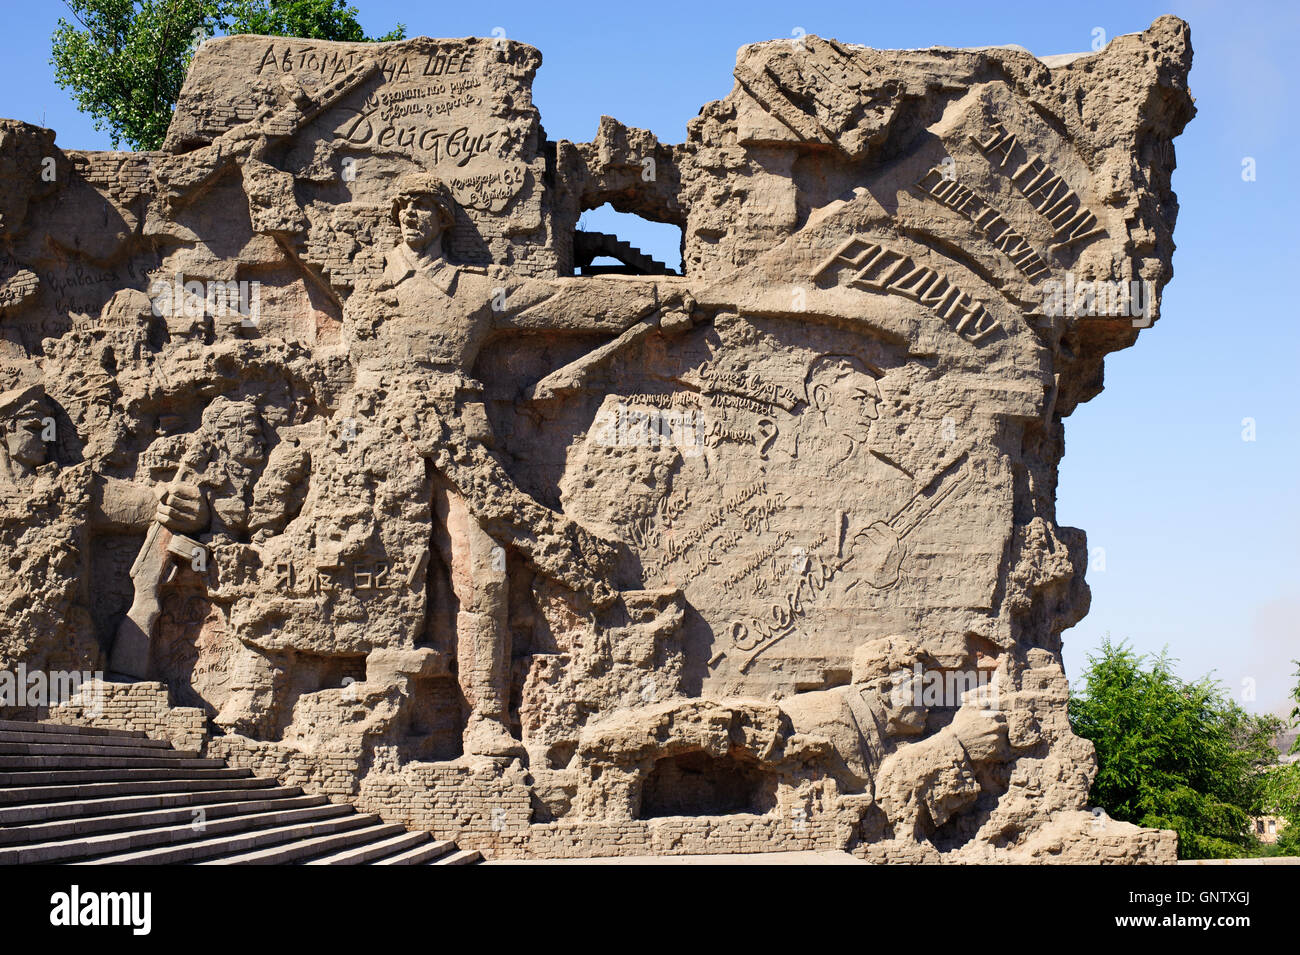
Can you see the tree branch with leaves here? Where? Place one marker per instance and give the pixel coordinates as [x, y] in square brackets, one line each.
[125, 60]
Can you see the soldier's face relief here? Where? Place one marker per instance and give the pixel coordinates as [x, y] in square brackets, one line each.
[244, 438]
[25, 445]
[854, 401]
[418, 218]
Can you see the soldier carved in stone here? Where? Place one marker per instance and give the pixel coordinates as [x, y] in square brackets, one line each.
[433, 318]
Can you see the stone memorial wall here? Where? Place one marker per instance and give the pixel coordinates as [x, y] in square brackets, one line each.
[329, 418]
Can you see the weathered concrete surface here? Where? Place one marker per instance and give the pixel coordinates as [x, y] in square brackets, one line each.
[308, 417]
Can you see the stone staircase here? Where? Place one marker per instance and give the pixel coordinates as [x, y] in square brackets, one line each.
[89, 796]
[588, 246]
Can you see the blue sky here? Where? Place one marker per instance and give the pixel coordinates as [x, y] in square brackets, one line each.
[1200, 529]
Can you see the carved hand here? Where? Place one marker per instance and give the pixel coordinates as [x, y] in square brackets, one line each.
[675, 321]
[552, 386]
[878, 554]
[182, 508]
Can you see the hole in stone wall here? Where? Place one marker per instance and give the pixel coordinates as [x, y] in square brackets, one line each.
[301, 674]
[560, 755]
[621, 243]
[111, 557]
[699, 784]
[436, 724]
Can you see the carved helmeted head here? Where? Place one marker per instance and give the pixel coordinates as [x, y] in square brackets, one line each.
[237, 426]
[423, 208]
[24, 416]
[843, 390]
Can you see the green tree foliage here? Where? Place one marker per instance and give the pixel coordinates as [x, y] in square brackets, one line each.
[319, 19]
[125, 60]
[1282, 790]
[1172, 754]
[1295, 710]
[1282, 798]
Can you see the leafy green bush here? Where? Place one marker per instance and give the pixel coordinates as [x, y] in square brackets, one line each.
[1282, 791]
[1172, 754]
[125, 60]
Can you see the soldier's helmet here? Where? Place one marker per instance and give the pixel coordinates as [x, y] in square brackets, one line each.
[421, 184]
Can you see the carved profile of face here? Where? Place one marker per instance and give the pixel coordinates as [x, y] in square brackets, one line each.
[903, 717]
[846, 394]
[24, 413]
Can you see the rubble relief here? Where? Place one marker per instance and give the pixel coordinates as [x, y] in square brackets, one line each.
[327, 428]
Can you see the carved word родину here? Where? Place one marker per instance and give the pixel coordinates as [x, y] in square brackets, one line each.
[883, 270]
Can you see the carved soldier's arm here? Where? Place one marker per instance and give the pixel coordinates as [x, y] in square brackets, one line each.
[630, 311]
[580, 305]
[118, 505]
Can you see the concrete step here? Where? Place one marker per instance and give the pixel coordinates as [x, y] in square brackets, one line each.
[24, 726]
[70, 761]
[242, 842]
[149, 819]
[168, 837]
[374, 831]
[434, 849]
[91, 796]
[27, 795]
[137, 742]
[631, 255]
[72, 806]
[399, 841]
[589, 246]
[8, 750]
[459, 857]
[56, 777]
